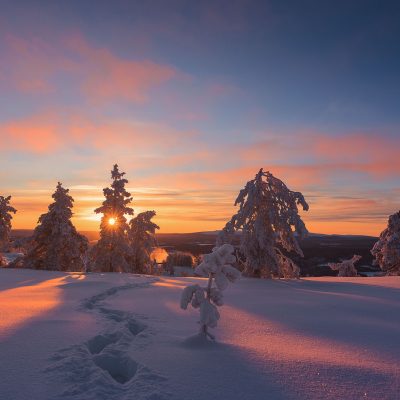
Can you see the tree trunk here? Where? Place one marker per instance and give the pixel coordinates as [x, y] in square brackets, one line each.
[204, 328]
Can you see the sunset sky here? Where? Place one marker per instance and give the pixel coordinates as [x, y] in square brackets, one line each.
[191, 98]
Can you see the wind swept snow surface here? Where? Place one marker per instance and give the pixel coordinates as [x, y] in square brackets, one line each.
[122, 336]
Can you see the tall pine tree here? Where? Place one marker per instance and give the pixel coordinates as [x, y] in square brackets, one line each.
[5, 220]
[56, 245]
[5, 223]
[112, 253]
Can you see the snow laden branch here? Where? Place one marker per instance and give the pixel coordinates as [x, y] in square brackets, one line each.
[346, 267]
[269, 223]
[217, 266]
[225, 235]
[56, 245]
[387, 249]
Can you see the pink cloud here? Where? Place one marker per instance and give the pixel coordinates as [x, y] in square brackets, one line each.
[107, 76]
[374, 154]
[32, 65]
[233, 179]
[37, 134]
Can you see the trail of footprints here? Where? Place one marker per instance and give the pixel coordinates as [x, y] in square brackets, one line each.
[114, 361]
[101, 367]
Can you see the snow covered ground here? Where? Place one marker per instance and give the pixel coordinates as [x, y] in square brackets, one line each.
[120, 336]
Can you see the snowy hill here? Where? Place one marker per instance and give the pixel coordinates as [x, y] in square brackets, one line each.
[121, 336]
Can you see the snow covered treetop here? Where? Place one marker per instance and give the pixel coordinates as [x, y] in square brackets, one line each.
[63, 202]
[142, 224]
[117, 199]
[218, 264]
[119, 183]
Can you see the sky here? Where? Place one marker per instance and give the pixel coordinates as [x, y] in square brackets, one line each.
[192, 98]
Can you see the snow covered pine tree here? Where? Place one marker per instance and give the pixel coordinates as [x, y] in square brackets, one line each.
[56, 245]
[267, 212]
[5, 223]
[346, 267]
[142, 238]
[216, 266]
[387, 249]
[112, 252]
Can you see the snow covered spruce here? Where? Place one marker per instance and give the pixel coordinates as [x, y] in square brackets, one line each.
[387, 249]
[217, 266]
[143, 241]
[112, 252]
[123, 246]
[267, 212]
[346, 267]
[6, 212]
[56, 245]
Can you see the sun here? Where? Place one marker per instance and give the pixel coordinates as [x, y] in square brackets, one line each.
[112, 221]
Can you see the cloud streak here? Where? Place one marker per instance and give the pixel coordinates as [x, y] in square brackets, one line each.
[35, 66]
[180, 210]
[50, 131]
[374, 154]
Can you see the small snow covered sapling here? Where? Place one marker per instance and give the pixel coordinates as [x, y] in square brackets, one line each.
[346, 267]
[217, 266]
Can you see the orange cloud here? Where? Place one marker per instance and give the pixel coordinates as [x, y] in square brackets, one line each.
[37, 134]
[52, 131]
